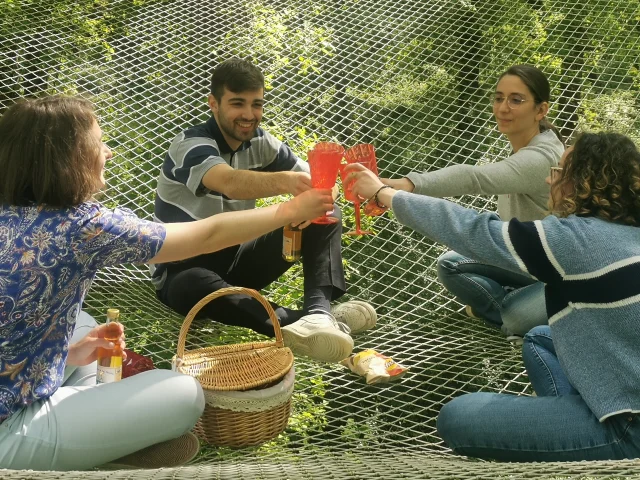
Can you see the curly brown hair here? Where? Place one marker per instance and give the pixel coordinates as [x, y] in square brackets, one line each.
[600, 178]
[48, 155]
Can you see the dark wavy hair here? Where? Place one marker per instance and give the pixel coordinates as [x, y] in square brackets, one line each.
[538, 85]
[48, 155]
[600, 178]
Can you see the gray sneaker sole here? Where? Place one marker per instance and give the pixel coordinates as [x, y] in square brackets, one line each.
[326, 345]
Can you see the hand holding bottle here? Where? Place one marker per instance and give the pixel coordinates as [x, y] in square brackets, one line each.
[86, 350]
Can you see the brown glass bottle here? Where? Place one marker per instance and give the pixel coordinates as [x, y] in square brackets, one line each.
[110, 361]
[291, 243]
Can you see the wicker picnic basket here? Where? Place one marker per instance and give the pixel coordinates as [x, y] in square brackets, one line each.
[247, 387]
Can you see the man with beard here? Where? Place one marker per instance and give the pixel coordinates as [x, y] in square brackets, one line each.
[224, 165]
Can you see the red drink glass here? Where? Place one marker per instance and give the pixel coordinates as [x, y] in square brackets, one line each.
[364, 154]
[324, 162]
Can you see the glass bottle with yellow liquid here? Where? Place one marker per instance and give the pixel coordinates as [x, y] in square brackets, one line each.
[291, 243]
[110, 360]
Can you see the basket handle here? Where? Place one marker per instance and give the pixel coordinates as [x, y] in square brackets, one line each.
[221, 293]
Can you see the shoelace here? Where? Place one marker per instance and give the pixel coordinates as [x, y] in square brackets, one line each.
[342, 326]
[339, 325]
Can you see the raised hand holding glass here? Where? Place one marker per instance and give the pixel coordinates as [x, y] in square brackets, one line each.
[365, 155]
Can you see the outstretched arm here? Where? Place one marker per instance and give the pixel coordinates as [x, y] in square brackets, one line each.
[245, 184]
[189, 239]
[481, 236]
[399, 184]
[522, 172]
[281, 172]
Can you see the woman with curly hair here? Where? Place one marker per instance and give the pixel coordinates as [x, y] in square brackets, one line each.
[587, 256]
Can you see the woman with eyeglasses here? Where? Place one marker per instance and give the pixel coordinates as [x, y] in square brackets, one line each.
[585, 365]
[520, 105]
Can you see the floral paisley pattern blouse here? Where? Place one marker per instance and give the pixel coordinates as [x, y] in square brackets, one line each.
[48, 259]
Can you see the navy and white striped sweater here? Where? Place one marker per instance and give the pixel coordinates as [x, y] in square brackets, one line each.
[181, 195]
[590, 268]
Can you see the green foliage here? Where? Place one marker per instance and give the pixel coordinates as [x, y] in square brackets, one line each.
[412, 78]
[615, 112]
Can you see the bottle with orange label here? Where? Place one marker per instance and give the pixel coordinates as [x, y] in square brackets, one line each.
[291, 243]
[110, 361]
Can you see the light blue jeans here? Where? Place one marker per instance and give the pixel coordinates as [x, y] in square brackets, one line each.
[501, 297]
[556, 425]
[83, 425]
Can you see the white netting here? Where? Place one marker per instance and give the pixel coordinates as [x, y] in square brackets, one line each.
[411, 77]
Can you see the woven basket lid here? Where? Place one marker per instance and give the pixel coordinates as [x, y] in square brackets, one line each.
[242, 366]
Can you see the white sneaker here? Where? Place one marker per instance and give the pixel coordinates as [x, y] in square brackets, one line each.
[319, 336]
[515, 340]
[357, 315]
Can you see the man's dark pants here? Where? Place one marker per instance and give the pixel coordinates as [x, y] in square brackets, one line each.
[255, 264]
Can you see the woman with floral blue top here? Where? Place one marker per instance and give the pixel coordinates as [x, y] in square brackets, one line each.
[585, 365]
[53, 239]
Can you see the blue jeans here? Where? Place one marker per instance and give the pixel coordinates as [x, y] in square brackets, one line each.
[501, 297]
[556, 425]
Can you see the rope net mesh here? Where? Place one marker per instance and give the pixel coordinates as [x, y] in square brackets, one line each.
[411, 77]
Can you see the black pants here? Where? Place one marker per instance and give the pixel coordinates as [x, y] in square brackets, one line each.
[254, 264]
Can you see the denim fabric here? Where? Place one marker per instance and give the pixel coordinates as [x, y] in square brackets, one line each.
[540, 360]
[556, 425]
[535, 429]
[499, 296]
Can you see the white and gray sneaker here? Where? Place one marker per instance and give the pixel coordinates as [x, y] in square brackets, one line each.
[319, 336]
[357, 315]
[515, 340]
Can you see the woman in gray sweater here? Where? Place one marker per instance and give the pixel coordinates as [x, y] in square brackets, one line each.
[520, 106]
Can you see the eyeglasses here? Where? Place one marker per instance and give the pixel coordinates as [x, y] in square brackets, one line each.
[555, 173]
[513, 101]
